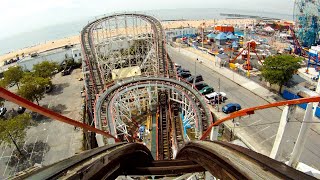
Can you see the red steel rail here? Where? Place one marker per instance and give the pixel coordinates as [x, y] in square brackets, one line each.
[5, 94]
[251, 110]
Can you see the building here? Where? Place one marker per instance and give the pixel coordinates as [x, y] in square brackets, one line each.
[221, 60]
[224, 28]
[171, 34]
[56, 55]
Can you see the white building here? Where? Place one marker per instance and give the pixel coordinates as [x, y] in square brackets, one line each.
[171, 33]
[56, 55]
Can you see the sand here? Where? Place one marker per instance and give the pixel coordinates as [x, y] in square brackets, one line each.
[76, 39]
[41, 47]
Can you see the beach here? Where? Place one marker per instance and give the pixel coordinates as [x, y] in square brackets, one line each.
[45, 46]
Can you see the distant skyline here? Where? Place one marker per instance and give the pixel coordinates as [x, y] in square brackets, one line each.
[19, 16]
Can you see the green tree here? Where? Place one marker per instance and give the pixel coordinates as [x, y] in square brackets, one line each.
[13, 75]
[279, 69]
[13, 130]
[45, 69]
[33, 87]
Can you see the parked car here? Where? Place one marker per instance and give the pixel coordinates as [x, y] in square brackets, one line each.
[222, 94]
[177, 65]
[200, 85]
[21, 110]
[198, 78]
[184, 75]
[66, 71]
[206, 90]
[215, 97]
[182, 70]
[231, 107]
[3, 111]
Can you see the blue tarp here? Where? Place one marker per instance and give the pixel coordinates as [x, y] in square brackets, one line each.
[229, 33]
[231, 36]
[239, 33]
[186, 125]
[289, 96]
[221, 36]
[211, 35]
[187, 35]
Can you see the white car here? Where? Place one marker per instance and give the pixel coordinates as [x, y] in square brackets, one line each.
[212, 98]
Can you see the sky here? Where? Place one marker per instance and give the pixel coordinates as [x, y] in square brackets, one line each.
[18, 16]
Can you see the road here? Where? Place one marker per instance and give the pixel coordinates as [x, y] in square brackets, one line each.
[262, 126]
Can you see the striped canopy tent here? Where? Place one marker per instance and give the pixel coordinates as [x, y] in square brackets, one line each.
[211, 36]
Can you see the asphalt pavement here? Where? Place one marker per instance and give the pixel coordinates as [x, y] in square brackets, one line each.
[48, 141]
[260, 128]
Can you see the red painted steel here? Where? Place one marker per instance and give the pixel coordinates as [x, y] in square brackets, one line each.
[251, 110]
[5, 94]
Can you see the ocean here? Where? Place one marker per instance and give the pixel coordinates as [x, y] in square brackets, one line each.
[59, 31]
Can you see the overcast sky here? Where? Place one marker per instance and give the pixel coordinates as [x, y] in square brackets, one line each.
[25, 15]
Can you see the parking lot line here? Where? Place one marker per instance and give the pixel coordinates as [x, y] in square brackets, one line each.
[255, 122]
[7, 163]
[259, 131]
[43, 152]
[4, 150]
[273, 136]
[33, 147]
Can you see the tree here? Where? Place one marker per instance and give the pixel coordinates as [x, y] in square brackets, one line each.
[13, 130]
[33, 87]
[13, 75]
[279, 69]
[45, 69]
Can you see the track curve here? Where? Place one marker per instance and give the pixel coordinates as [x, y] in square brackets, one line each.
[103, 93]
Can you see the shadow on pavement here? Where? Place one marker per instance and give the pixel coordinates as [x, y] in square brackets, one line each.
[38, 118]
[31, 154]
[58, 89]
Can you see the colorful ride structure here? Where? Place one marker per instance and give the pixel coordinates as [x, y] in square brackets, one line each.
[245, 53]
[306, 17]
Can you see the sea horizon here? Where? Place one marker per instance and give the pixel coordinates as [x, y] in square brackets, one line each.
[72, 28]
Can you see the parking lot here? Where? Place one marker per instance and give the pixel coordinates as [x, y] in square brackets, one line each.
[48, 141]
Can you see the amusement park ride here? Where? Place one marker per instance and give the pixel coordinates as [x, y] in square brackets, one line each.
[305, 34]
[306, 31]
[306, 17]
[245, 52]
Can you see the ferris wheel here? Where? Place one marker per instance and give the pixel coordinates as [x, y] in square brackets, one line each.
[307, 18]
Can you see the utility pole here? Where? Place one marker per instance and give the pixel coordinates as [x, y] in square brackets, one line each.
[195, 73]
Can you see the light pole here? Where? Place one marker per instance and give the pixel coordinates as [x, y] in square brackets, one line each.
[218, 94]
[202, 34]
